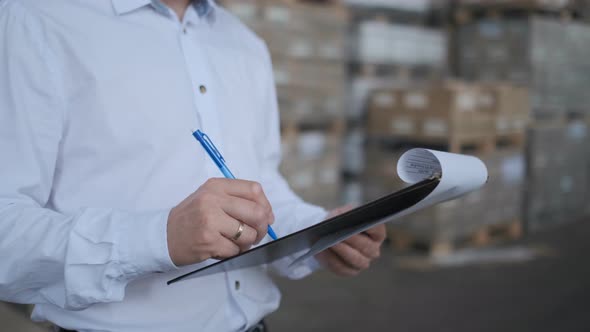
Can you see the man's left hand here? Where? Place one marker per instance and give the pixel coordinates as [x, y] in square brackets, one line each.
[355, 254]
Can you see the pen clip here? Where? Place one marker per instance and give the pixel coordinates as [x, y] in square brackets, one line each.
[212, 146]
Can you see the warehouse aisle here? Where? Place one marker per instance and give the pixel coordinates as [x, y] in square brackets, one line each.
[547, 294]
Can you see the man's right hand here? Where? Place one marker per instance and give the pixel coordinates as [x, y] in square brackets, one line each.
[204, 224]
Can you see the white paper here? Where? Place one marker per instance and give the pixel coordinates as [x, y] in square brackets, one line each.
[458, 174]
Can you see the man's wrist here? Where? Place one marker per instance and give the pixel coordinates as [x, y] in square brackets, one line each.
[144, 244]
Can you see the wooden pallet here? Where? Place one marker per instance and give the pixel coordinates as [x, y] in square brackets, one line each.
[402, 241]
[332, 127]
[388, 15]
[479, 145]
[484, 236]
[468, 13]
[562, 117]
[510, 140]
[494, 233]
[336, 7]
[402, 73]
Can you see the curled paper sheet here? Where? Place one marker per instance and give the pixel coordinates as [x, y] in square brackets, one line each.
[458, 174]
[434, 177]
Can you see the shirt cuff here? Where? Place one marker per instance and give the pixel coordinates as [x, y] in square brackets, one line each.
[144, 244]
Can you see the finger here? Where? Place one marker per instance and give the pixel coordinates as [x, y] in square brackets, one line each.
[246, 239]
[335, 264]
[377, 233]
[365, 245]
[340, 210]
[249, 212]
[351, 257]
[224, 248]
[241, 188]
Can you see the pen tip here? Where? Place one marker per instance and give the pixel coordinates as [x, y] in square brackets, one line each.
[271, 233]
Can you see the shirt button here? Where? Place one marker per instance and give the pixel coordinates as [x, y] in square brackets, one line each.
[237, 285]
[203, 89]
[184, 31]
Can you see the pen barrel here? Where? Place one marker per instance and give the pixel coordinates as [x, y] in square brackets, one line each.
[226, 172]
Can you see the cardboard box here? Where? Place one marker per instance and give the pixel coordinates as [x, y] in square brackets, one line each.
[510, 106]
[433, 112]
[308, 105]
[380, 42]
[327, 77]
[557, 174]
[545, 54]
[308, 48]
[305, 30]
[312, 165]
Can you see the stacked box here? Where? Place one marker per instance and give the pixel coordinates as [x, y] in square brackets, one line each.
[437, 113]
[548, 56]
[309, 91]
[308, 105]
[387, 43]
[509, 105]
[308, 45]
[499, 202]
[391, 44]
[311, 164]
[557, 190]
[305, 31]
[431, 113]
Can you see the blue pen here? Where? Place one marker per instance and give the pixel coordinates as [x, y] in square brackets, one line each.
[220, 162]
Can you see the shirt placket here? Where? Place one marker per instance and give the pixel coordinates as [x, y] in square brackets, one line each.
[203, 85]
[203, 89]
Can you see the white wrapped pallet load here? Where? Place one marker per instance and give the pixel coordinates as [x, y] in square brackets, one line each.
[398, 44]
[406, 5]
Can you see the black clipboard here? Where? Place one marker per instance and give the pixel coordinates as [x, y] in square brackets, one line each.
[322, 235]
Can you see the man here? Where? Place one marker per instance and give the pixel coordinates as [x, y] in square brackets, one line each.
[98, 207]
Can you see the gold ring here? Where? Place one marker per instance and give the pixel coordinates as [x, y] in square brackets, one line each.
[239, 232]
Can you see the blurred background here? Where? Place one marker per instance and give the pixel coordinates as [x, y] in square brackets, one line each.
[361, 81]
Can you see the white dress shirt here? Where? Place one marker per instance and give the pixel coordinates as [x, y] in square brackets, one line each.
[97, 102]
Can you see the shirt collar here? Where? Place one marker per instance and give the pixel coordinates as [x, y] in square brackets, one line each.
[203, 7]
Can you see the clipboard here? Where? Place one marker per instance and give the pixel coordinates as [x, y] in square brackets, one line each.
[325, 234]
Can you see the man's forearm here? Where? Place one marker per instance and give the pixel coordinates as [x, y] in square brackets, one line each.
[77, 260]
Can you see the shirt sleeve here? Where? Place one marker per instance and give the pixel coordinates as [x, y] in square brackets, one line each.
[75, 260]
[291, 212]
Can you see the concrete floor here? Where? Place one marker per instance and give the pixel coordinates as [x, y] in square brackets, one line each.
[551, 293]
[14, 319]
